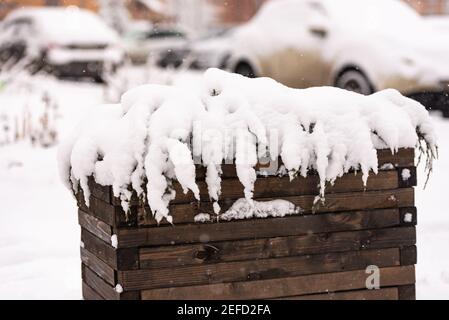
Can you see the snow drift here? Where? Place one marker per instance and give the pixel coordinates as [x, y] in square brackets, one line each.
[158, 133]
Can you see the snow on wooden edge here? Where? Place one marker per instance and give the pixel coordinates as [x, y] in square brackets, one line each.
[158, 133]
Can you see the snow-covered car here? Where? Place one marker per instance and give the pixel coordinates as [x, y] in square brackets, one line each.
[364, 46]
[211, 51]
[151, 44]
[68, 42]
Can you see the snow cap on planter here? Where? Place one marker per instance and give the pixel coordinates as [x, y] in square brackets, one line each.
[158, 133]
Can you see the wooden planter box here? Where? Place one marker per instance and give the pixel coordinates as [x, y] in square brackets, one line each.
[321, 255]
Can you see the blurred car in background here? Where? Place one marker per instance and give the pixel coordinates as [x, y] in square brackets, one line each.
[143, 45]
[363, 46]
[68, 42]
[439, 23]
[212, 50]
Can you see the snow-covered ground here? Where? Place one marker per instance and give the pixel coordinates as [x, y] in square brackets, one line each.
[39, 234]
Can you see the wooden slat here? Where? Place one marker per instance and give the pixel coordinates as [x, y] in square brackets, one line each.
[257, 269]
[99, 248]
[255, 249]
[101, 268]
[118, 259]
[100, 286]
[282, 187]
[95, 226]
[409, 255]
[404, 157]
[407, 292]
[381, 294]
[103, 193]
[276, 288]
[89, 293]
[110, 214]
[258, 228]
[185, 213]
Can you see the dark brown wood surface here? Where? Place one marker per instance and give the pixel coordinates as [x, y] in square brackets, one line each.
[407, 292]
[277, 288]
[101, 268]
[100, 286]
[95, 226]
[255, 249]
[381, 294]
[185, 213]
[257, 269]
[258, 228]
[89, 293]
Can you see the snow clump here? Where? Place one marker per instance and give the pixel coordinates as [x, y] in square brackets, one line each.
[157, 134]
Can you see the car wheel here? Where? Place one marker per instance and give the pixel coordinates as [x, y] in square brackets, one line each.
[354, 80]
[245, 70]
[445, 112]
[99, 80]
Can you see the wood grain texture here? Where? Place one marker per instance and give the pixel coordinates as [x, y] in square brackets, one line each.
[113, 215]
[89, 293]
[95, 226]
[255, 249]
[381, 294]
[282, 186]
[98, 266]
[185, 213]
[277, 288]
[99, 248]
[119, 259]
[403, 158]
[258, 228]
[257, 269]
[100, 286]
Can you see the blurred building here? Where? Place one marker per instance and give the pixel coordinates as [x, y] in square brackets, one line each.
[236, 11]
[430, 7]
[139, 9]
[226, 12]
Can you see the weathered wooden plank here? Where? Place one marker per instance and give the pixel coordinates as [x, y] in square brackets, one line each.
[89, 293]
[98, 266]
[103, 193]
[257, 269]
[381, 294]
[409, 256]
[403, 158]
[255, 249]
[282, 186]
[99, 248]
[108, 213]
[95, 226]
[397, 198]
[276, 288]
[258, 228]
[100, 286]
[118, 259]
[407, 292]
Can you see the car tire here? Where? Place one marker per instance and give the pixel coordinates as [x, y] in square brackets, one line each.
[245, 69]
[355, 81]
[445, 113]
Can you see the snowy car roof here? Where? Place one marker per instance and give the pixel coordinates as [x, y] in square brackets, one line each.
[67, 25]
